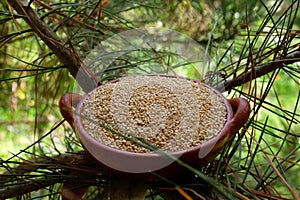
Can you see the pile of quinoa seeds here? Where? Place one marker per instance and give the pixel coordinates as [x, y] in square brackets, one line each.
[171, 113]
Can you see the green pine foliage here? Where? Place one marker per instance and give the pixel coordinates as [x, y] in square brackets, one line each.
[252, 45]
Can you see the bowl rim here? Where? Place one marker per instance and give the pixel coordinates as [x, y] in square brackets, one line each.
[212, 141]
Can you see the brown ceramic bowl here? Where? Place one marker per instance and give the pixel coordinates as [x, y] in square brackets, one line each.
[141, 164]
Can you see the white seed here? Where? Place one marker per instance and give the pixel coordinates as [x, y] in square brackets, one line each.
[171, 113]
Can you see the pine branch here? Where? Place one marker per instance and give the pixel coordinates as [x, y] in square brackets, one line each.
[26, 187]
[54, 162]
[66, 16]
[65, 53]
[263, 69]
[87, 80]
[21, 181]
[35, 184]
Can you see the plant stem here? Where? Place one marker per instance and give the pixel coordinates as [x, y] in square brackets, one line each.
[64, 52]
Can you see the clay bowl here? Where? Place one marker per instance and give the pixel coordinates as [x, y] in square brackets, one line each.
[146, 164]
